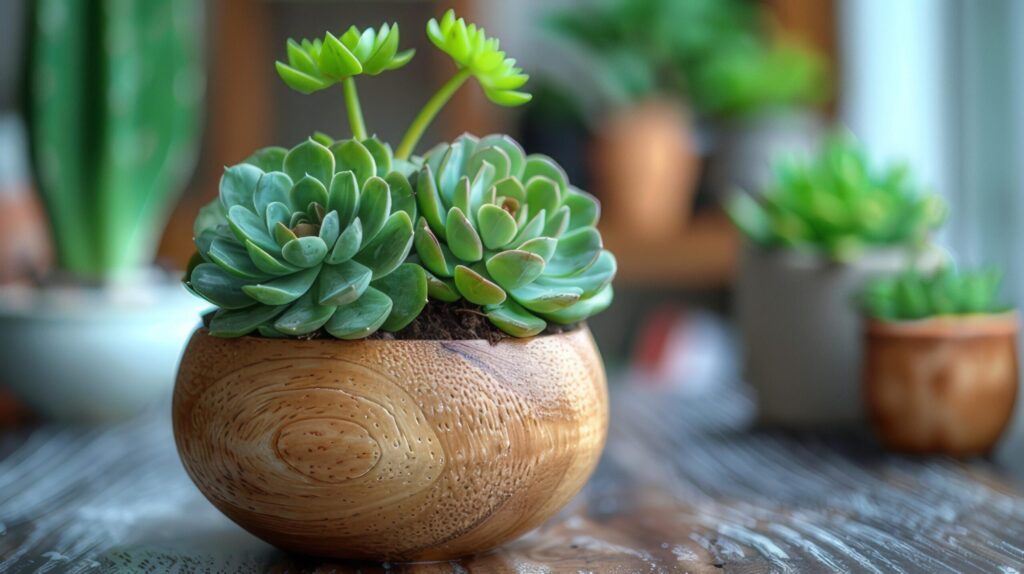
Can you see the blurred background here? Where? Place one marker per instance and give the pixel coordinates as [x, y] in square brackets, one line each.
[661, 108]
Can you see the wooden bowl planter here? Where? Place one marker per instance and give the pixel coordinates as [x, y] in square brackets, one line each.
[390, 450]
[942, 385]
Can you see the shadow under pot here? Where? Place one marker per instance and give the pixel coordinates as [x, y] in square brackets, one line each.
[942, 385]
[390, 449]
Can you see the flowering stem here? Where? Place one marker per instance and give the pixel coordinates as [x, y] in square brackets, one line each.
[429, 112]
[355, 112]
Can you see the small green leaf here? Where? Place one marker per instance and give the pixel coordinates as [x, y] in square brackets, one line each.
[442, 289]
[429, 201]
[476, 288]
[591, 280]
[343, 283]
[390, 247]
[238, 184]
[460, 196]
[246, 225]
[543, 246]
[381, 153]
[575, 252]
[344, 197]
[430, 250]
[348, 243]
[583, 309]
[272, 187]
[283, 234]
[336, 61]
[268, 159]
[361, 318]
[330, 229]
[512, 188]
[513, 269]
[374, 207]
[462, 237]
[353, 156]
[515, 154]
[211, 216]
[309, 158]
[300, 59]
[531, 230]
[266, 262]
[513, 319]
[218, 287]
[306, 191]
[300, 81]
[538, 165]
[497, 227]
[584, 209]
[543, 193]
[557, 223]
[234, 259]
[304, 316]
[283, 289]
[402, 197]
[241, 322]
[493, 155]
[452, 169]
[544, 299]
[277, 213]
[407, 289]
[305, 252]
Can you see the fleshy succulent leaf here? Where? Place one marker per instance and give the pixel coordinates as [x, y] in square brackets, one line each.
[219, 287]
[305, 316]
[309, 158]
[343, 283]
[305, 252]
[283, 289]
[514, 319]
[350, 155]
[374, 207]
[406, 286]
[268, 159]
[344, 196]
[462, 237]
[362, 317]
[513, 269]
[390, 247]
[476, 288]
[238, 184]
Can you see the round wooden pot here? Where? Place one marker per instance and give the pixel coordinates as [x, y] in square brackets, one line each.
[943, 385]
[390, 450]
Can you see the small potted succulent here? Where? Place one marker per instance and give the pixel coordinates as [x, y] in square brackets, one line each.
[398, 367]
[940, 362]
[113, 106]
[814, 236]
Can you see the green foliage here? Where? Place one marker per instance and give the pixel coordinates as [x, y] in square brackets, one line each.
[114, 98]
[507, 231]
[912, 295]
[715, 52]
[471, 49]
[838, 204]
[314, 65]
[309, 238]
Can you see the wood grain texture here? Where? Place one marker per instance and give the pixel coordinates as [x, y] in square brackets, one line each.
[944, 385]
[402, 450]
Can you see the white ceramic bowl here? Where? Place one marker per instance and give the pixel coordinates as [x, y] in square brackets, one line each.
[93, 354]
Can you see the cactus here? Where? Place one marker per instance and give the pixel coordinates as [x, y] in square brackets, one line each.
[911, 295]
[506, 231]
[838, 204]
[309, 238]
[114, 94]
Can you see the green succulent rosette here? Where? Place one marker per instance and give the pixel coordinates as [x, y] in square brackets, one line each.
[507, 231]
[307, 239]
[314, 65]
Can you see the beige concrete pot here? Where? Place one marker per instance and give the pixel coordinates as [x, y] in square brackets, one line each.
[943, 385]
[390, 450]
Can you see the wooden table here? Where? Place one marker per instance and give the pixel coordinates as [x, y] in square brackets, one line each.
[684, 486]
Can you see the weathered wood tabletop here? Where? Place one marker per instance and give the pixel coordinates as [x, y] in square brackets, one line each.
[685, 486]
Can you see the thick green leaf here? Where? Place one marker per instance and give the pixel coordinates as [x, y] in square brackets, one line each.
[330, 229]
[238, 184]
[452, 169]
[544, 299]
[460, 196]
[512, 269]
[406, 286]
[218, 287]
[304, 316]
[309, 158]
[544, 166]
[575, 252]
[402, 197]
[583, 309]
[343, 283]
[592, 280]
[481, 189]
[493, 155]
[234, 259]
[348, 243]
[336, 61]
[305, 251]
[543, 246]
[543, 193]
[390, 247]
[429, 250]
[268, 159]
[323, 139]
[283, 234]
[531, 230]
[283, 289]
[246, 225]
[300, 81]
[211, 216]
[515, 153]
[513, 319]
[300, 59]
[584, 209]
[497, 227]
[476, 288]
[557, 223]
[272, 187]
[361, 318]
[429, 201]
[276, 213]
[381, 153]
[353, 156]
[511, 187]
[344, 196]
[442, 289]
[266, 262]
[241, 322]
[306, 191]
[374, 207]
[462, 237]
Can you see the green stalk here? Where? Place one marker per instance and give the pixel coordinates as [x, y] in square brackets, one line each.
[355, 112]
[429, 112]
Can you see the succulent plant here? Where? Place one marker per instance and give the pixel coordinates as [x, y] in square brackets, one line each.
[506, 231]
[310, 238]
[912, 295]
[838, 204]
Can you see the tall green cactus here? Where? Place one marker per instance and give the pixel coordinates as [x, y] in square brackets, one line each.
[114, 96]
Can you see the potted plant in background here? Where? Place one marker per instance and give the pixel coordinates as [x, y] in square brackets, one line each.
[940, 361]
[397, 368]
[816, 234]
[113, 105]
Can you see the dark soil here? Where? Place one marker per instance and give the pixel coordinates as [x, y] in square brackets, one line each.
[458, 321]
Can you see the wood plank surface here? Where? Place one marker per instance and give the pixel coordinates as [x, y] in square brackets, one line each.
[684, 486]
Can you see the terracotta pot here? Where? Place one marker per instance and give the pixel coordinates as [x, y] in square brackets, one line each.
[390, 450]
[943, 385]
[645, 170]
